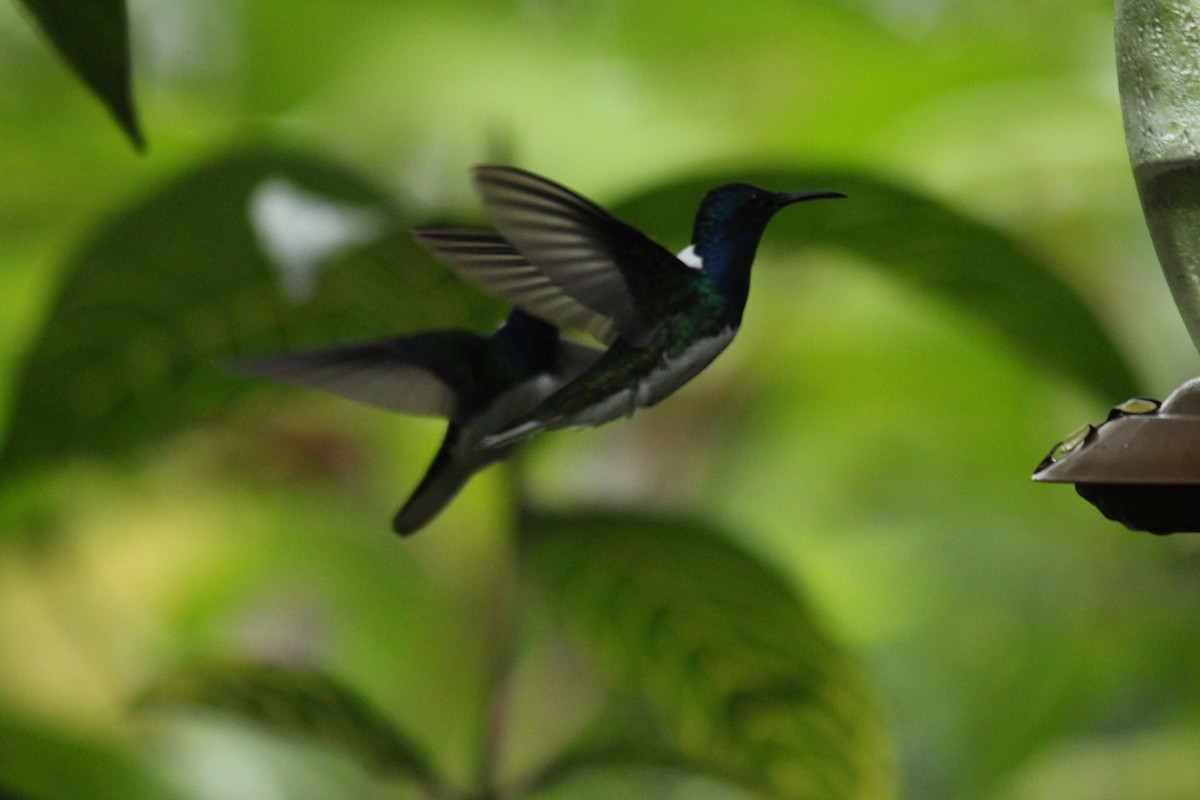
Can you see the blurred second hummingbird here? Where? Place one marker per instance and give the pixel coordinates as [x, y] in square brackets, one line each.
[565, 259]
[478, 383]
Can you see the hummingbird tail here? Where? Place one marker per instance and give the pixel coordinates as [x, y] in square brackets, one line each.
[445, 477]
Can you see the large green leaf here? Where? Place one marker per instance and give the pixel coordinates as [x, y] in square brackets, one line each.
[741, 682]
[93, 37]
[292, 701]
[126, 354]
[926, 243]
[42, 764]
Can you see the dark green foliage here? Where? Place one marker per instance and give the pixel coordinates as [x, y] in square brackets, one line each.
[92, 36]
[740, 681]
[148, 302]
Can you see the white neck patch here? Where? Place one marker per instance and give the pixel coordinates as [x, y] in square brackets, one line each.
[690, 257]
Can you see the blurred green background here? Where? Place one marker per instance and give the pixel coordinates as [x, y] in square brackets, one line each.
[906, 359]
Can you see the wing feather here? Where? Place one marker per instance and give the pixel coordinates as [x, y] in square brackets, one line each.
[608, 266]
[404, 375]
[487, 260]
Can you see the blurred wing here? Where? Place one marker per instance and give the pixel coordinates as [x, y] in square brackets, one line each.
[608, 266]
[427, 374]
[487, 260]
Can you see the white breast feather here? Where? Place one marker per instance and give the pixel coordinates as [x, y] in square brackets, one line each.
[690, 257]
[673, 373]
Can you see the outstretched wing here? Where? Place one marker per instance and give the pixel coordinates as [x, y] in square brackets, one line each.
[603, 263]
[486, 259]
[430, 374]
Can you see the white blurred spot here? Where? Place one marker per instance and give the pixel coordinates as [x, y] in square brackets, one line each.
[301, 232]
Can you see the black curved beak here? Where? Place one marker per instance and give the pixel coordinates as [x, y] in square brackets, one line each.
[787, 198]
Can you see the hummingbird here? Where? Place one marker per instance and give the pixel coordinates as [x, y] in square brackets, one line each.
[478, 383]
[563, 258]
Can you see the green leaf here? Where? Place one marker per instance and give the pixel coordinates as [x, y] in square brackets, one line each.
[924, 242]
[37, 762]
[740, 681]
[93, 37]
[154, 296]
[297, 702]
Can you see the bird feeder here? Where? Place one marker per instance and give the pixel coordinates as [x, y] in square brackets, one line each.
[1141, 466]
